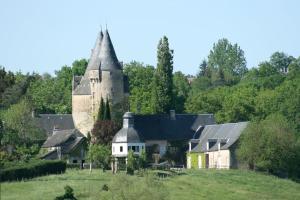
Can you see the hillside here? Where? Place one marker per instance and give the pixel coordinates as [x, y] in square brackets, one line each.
[200, 184]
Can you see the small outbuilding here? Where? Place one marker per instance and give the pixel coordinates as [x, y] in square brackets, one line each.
[66, 145]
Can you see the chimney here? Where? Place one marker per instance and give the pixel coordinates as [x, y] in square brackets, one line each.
[128, 120]
[172, 115]
[55, 129]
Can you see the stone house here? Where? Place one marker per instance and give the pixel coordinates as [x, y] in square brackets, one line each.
[215, 148]
[66, 145]
[63, 140]
[160, 131]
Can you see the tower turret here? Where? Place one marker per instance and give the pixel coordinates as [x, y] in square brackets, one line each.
[112, 86]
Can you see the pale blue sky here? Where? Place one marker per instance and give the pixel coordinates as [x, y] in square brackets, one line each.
[42, 36]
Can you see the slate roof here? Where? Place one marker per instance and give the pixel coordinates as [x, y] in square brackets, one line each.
[127, 135]
[48, 122]
[66, 147]
[162, 127]
[84, 87]
[94, 61]
[103, 57]
[108, 58]
[227, 133]
[62, 137]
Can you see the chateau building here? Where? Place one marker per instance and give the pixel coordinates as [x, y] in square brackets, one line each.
[103, 78]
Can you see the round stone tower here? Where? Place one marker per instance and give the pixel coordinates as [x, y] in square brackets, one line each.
[112, 83]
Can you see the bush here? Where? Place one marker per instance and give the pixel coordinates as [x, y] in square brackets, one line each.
[32, 169]
[73, 166]
[69, 194]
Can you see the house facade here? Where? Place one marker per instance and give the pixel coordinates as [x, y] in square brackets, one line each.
[157, 132]
[215, 148]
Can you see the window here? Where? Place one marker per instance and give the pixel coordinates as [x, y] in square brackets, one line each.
[121, 148]
[74, 161]
[133, 148]
[137, 149]
[113, 149]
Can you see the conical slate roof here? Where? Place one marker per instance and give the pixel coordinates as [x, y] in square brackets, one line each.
[108, 58]
[94, 61]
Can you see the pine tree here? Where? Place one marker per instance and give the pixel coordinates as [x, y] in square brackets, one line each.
[101, 110]
[107, 115]
[163, 98]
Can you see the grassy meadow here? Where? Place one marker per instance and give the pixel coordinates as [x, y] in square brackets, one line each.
[191, 184]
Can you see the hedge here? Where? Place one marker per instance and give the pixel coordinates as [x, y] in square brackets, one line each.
[34, 169]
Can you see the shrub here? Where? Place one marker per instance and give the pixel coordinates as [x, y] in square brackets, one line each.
[69, 194]
[105, 187]
[32, 169]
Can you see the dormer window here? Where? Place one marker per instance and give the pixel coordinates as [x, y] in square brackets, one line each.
[210, 143]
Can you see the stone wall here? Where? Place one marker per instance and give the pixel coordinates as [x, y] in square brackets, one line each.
[82, 113]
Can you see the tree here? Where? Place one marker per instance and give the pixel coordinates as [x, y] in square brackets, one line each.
[79, 67]
[140, 85]
[101, 111]
[143, 159]
[53, 94]
[107, 114]
[7, 79]
[181, 90]
[280, 60]
[226, 62]
[104, 131]
[131, 163]
[162, 99]
[203, 69]
[18, 118]
[99, 154]
[269, 145]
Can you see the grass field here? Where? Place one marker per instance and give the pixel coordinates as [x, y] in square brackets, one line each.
[200, 184]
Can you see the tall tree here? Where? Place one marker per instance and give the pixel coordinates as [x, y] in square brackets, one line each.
[107, 114]
[101, 112]
[163, 98]
[203, 69]
[181, 90]
[226, 62]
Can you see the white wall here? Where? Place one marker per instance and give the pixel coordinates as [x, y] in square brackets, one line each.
[116, 148]
[219, 159]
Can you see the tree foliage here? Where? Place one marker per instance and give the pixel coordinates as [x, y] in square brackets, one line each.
[140, 85]
[104, 131]
[181, 90]
[226, 63]
[100, 155]
[269, 145]
[162, 99]
[18, 122]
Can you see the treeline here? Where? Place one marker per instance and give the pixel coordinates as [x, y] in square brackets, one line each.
[20, 94]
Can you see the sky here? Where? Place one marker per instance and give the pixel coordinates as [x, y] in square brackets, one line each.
[41, 36]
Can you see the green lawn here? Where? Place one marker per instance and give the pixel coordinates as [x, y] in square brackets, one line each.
[194, 184]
